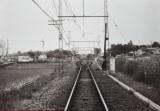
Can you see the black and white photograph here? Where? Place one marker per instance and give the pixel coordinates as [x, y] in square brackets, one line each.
[79, 55]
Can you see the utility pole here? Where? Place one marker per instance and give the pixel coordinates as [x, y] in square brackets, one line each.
[99, 41]
[60, 33]
[69, 39]
[43, 46]
[57, 24]
[104, 66]
[83, 19]
[7, 50]
[106, 38]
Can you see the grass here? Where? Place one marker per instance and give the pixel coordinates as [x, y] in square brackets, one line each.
[21, 80]
[25, 92]
[142, 69]
[28, 79]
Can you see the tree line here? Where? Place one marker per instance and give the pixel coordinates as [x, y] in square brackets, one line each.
[117, 49]
[50, 54]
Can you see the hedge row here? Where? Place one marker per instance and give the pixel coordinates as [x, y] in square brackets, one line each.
[142, 69]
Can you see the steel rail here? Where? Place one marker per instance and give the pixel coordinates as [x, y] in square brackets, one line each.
[71, 94]
[99, 92]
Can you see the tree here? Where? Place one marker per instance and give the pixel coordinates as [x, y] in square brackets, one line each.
[19, 53]
[130, 43]
[50, 54]
[31, 54]
[117, 49]
[97, 51]
[155, 44]
[37, 54]
[58, 54]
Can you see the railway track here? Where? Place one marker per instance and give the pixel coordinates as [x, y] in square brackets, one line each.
[85, 94]
[97, 92]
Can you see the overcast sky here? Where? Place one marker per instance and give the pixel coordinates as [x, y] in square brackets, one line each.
[24, 25]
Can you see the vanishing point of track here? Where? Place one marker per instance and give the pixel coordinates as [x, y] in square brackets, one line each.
[85, 94]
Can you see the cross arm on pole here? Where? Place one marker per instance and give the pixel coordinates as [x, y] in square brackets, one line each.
[79, 16]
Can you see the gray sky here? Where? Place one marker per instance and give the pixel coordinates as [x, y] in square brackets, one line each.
[25, 25]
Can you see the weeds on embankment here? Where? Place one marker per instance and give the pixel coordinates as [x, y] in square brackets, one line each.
[7, 98]
[142, 69]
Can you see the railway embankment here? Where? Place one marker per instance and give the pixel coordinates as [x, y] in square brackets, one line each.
[117, 98]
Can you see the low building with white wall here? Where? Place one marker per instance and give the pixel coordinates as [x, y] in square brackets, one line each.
[2, 50]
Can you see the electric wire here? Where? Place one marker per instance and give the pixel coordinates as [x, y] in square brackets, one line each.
[68, 6]
[117, 26]
[43, 10]
[54, 4]
[95, 12]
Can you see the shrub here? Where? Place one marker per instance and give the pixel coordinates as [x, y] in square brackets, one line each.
[147, 71]
[156, 58]
[143, 69]
[130, 67]
[119, 64]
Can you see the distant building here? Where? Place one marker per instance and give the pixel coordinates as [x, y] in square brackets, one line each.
[139, 52]
[131, 53]
[148, 51]
[2, 50]
[25, 58]
[42, 57]
[154, 50]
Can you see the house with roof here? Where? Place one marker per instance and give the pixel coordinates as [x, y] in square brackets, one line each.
[154, 50]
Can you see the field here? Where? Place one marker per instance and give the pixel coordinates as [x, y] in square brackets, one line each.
[25, 82]
[18, 73]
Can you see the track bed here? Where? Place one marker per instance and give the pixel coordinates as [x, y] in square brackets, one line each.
[85, 96]
[117, 99]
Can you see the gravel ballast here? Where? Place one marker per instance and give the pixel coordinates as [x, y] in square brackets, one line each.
[115, 96]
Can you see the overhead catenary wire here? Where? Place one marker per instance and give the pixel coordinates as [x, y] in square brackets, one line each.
[49, 16]
[69, 8]
[54, 4]
[117, 26]
[96, 11]
[43, 10]
[83, 19]
[113, 21]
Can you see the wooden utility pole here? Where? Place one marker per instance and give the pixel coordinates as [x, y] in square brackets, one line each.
[69, 39]
[7, 50]
[57, 24]
[104, 66]
[106, 38]
[60, 33]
